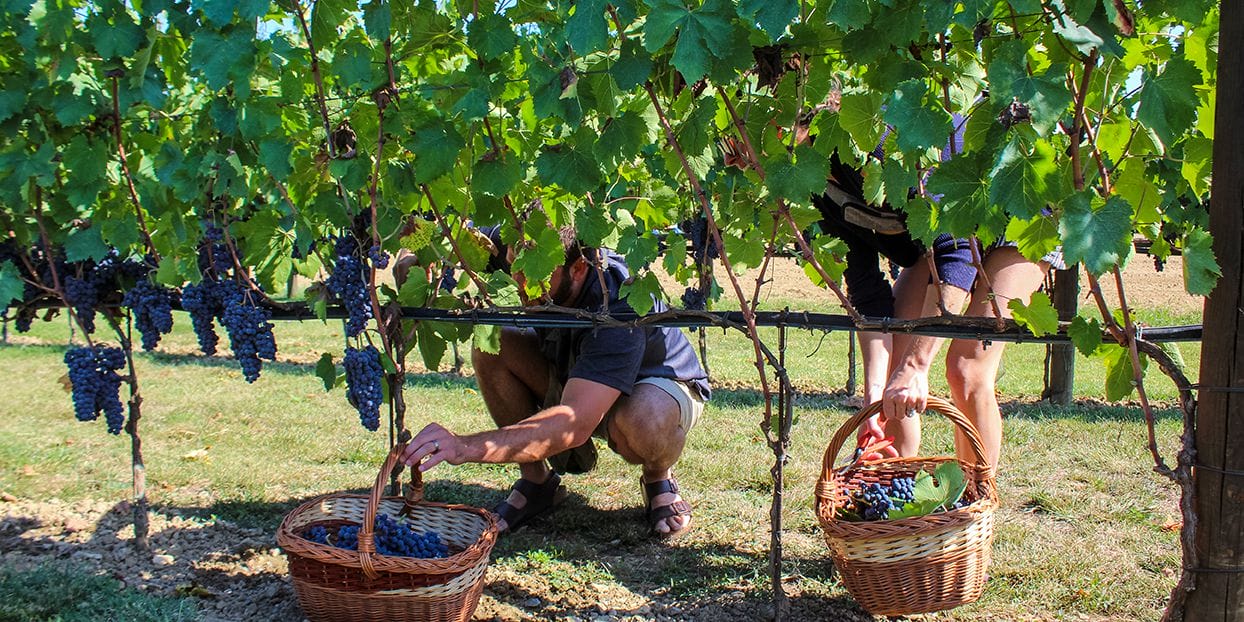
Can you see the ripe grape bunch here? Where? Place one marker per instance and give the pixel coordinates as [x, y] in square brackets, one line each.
[348, 282]
[96, 384]
[393, 538]
[97, 282]
[152, 309]
[203, 301]
[702, 244]
[693, 299]
[364, 376]
[874, 501]
[250, 332]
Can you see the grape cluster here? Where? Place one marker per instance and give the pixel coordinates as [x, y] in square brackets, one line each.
[702, 244]
[872, 502]
[693, 299]
[364, 376]
[250, 332]
[903, 489]
[379, 258]
[348, 282]
[393, 538]
[449, 281]
[96, 384]
[214, 257]
[152, 309]
[83, 296]
[204, 303]
[97, 281]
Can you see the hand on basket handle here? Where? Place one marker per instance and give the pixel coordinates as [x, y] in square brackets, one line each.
[907, 391]
[432, 446]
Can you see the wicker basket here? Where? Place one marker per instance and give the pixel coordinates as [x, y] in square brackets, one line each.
[910, 565]
[335, 584]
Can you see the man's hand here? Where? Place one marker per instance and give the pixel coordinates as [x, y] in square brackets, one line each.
[432, 446]
[907, 391]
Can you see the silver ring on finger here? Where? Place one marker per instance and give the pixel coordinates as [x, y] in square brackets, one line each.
[436, 447]
[911, 412]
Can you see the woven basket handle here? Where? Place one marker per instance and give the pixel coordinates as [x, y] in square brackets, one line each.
[367, 537]
[981, 473]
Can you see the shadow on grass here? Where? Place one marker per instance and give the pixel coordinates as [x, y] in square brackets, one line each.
[1088, 411]
[413, 380]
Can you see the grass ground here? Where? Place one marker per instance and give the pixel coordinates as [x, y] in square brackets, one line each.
[1086, 530]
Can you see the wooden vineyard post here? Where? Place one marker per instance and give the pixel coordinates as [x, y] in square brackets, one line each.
[1061, 387]
[1218, 594]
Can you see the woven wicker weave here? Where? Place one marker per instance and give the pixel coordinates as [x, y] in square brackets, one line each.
[910, 565]
[340, 585]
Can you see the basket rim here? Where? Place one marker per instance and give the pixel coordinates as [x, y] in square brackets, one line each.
[294, 544]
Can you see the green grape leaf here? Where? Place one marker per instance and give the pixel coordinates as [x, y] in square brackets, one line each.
[1135, 186]
[861, 116]
[1120, 377]
[771, 15]
[848, 14]
[942, 489]
[327, 371]
[1198, 164]
[87, 164]
[587, 30]
[432, 346]
[622, 139]
[641, 293]
[475, 247]
[746, 250]
[1019, 182]
[220, 59]
[114, 32]
[274, 157]
[1085, 334]
[1034, 238]
[1100, 238]
[633, 66]
[918, 125]
[492, 36]
[1168, 99]
[436, 147]
[12, 99]
[415, 289]
[11, 286]
[797, 179]
[377, 19]
[495, 177]
[1045, 95]
[1038, 316]
[1201, 270]
[703, 34]
[486, 339]
[538, 262]
[352, 63]
[83, 244]
[572, 170]
[963, 207]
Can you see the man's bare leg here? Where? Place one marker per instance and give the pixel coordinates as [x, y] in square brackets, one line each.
[646, 429]
[513, 385]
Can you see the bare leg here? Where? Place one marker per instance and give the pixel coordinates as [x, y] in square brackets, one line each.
[646, 429]
[911, 291]
[513, 385]
[971, 367]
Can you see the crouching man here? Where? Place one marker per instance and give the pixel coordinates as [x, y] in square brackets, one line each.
[551, 390]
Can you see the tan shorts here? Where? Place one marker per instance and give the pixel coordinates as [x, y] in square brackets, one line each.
[690, 406]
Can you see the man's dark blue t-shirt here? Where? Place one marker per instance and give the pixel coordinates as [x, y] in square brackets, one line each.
[617, 357]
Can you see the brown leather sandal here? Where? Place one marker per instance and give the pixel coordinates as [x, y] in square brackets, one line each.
[655, 515]
[541, 499]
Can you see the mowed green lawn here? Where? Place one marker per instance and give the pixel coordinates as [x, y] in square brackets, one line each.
[1085, 530]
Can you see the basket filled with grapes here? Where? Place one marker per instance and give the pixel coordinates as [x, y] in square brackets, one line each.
[908, 535]
[362, 558]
